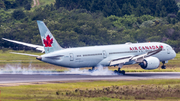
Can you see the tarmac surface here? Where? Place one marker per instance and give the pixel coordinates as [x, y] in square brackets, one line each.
[29, 78]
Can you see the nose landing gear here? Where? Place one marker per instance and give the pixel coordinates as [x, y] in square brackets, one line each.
[163, 66]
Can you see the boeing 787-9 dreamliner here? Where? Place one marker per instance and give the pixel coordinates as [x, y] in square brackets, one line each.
[148, 55]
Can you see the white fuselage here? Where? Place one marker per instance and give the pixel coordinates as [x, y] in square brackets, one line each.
[102, 55]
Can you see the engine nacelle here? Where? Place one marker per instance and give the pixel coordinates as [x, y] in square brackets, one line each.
[150, 63]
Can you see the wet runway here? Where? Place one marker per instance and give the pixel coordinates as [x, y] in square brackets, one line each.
[25, 78]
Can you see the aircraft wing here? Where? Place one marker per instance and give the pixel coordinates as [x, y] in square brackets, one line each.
[37, 47]
[137, 58]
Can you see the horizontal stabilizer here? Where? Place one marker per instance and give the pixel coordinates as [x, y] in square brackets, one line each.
[25, 54]
[37, 47]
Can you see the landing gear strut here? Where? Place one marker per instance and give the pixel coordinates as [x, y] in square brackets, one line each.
[163, 66]
[91, 69]
[119, 70]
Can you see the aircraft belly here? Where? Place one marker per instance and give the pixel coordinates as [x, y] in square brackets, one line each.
[90, 62]
[86, 62]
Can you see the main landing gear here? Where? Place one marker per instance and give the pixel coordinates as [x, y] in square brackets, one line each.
[163, 66]
[91, 69]
[119, 70]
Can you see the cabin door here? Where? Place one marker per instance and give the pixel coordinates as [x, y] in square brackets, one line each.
[168, 50]
[104, 54]
[71, 57]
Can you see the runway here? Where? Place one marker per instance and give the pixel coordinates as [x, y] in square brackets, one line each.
[24, 78]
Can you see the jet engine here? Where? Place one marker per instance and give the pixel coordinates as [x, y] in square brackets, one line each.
[150, 63]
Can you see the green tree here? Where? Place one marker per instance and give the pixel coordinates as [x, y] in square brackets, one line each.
[10, 4]
[2, 4]
[178, 16]
[169, 19]
[18, 14]
[27, 6]
[171, 6]
[174, 21]
[126, 10]
[163, 12]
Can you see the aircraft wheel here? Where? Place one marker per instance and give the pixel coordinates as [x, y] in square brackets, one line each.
[90, 70]
[123, 72]
[163, 67]
[115, 71]
[119, 72]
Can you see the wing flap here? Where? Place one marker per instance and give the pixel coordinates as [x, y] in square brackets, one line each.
[120, 61]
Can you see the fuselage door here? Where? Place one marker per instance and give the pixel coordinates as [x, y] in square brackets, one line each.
[168, 50]
[104, 54]
[71, 57]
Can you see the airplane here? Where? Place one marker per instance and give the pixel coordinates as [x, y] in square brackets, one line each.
[148, 55]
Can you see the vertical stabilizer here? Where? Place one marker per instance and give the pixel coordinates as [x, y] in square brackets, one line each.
[49, 42]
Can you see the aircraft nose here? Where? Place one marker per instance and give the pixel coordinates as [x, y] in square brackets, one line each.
[173, 54]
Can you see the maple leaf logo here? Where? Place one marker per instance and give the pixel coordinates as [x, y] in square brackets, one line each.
[161, 46]
[48, 41]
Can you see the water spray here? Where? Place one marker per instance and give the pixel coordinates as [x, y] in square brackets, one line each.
[99, 71]
[18, 69]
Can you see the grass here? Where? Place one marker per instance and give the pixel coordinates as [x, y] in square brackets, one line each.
[95, 90]
[25, 61]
